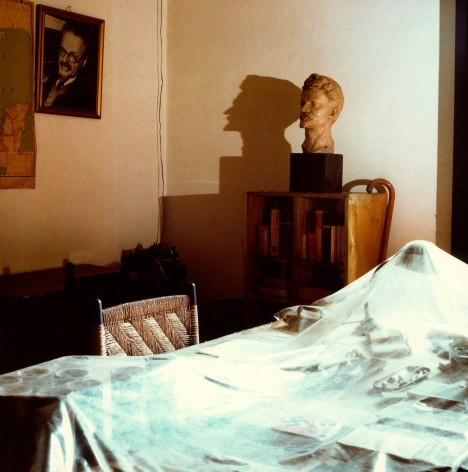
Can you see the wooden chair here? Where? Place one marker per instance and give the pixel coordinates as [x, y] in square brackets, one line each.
[150, 326]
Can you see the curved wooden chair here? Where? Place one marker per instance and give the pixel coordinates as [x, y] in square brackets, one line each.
[379, 185]
[150, 326]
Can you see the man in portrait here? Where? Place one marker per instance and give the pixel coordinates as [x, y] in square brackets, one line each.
[321, 104]
[73, 82]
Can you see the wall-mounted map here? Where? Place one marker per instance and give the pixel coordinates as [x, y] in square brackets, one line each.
[17, 150]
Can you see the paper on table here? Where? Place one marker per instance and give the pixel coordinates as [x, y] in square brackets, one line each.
[405, 443]
[239, 348]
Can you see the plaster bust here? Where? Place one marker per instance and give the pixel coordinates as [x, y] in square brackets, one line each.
[321, 104]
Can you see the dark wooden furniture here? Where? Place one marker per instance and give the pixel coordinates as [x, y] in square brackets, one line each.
[311, 260]
[460, 144]
[51, 313]
[56, 280]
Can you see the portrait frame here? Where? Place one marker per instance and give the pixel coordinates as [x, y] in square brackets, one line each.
[68, 82]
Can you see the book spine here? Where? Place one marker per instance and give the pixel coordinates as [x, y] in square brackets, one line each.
[263, 242]
[318, 234]
[274, 291]
[326, 237]
[274, 232]
[341, 250]
[333, 244]
[285, 238]
[308, 238]
[311, 247]
[304, 246]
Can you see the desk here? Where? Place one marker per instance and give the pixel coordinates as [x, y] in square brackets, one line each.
[112, 284]
[282, 396]
[47, 281]
[188, 411]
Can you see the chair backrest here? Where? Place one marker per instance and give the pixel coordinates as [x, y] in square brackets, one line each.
[150, 326]
[380, 185]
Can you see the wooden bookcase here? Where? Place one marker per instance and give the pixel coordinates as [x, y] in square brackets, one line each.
[301, 247]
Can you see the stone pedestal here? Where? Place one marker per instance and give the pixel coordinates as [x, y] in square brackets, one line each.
[316, 172]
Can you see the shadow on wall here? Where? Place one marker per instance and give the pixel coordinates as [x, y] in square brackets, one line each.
[209, 230]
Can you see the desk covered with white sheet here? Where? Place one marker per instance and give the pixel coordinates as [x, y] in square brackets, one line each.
[372, 378]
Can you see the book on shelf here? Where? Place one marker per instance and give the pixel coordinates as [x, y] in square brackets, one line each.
[333, 244]
[336, 244]
[311, 247]
[322, 240]
[311, 294]
[263, 240]
[274, 232]
[276, 282]
[273, 291]
[286, 237]
[336, 238]
[325, 255]
[318, 234]
[308, 237]
[263, 234]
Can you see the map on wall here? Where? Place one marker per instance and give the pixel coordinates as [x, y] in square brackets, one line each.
[17, 150]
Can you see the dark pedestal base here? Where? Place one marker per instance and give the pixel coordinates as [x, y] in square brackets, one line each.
[316, 173]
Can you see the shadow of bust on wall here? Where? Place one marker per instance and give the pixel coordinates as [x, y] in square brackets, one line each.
[209, 229]
[261, 112]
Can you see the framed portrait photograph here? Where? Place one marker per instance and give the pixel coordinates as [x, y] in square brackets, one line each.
[69, 58]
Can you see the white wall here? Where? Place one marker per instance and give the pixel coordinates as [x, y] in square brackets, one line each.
[97, 181]
[232, 67]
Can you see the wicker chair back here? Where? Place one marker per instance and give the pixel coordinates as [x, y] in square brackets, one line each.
[150, 326]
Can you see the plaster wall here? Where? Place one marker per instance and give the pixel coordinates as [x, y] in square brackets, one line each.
[234, 69]
[234, 72]
[97, 181]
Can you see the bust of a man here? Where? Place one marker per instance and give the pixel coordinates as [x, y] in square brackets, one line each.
[321, 104]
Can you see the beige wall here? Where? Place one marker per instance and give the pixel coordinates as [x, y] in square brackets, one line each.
[234, 68]
[97, 181]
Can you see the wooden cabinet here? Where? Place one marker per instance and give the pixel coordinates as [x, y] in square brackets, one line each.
[303, 246]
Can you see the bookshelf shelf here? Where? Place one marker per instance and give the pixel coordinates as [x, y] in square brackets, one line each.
[301, 247]
[275, 260]
[288, 301]
[320, 264]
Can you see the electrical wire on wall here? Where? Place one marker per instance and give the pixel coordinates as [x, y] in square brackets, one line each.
[161, 167]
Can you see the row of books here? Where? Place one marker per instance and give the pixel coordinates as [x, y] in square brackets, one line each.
[276, 285]
[314, 281]
[305, 292]
[322, 240]
[317, 282]
[274, 234]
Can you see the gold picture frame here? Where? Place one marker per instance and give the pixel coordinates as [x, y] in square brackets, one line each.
[69, 61]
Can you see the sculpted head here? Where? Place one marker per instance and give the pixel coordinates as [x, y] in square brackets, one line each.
[321, 104]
